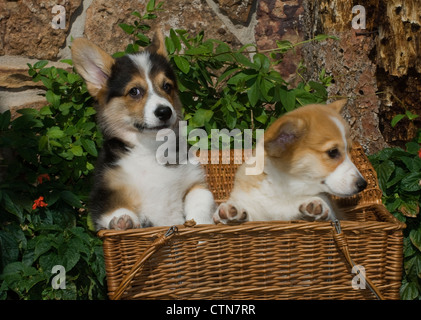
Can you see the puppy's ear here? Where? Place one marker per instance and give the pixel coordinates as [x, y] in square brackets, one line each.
[158, 44]
[338, 105]
[92, 63]
[283, 135]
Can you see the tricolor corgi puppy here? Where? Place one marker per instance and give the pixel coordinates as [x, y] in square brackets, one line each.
[136, 98]
[306, 156]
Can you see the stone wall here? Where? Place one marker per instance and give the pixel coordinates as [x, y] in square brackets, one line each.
[360, 64]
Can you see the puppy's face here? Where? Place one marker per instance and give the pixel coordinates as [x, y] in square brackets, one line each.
[312, 144]
[135, 93]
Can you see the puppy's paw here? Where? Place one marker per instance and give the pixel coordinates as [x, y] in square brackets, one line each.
[228, 213]
[122, 222]
[315, 209]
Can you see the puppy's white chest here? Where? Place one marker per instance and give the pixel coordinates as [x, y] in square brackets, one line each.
[161, 189]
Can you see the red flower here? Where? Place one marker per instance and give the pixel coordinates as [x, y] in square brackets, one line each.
[42, 177]
[419, 153]
[39, 203]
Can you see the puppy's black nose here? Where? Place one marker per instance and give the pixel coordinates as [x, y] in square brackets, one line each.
[163, 113]
[361, 184]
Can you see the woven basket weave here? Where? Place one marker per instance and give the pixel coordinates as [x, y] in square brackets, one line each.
[262, 260]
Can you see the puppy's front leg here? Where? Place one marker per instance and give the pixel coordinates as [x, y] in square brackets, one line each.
[199, 204]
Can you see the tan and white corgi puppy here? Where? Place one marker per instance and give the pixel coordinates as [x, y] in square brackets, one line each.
[306, 156]
[137, 97]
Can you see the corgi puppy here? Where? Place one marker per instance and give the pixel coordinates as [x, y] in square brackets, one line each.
[306, 157]
[137, 98]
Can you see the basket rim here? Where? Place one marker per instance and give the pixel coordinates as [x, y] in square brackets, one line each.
[392, 224]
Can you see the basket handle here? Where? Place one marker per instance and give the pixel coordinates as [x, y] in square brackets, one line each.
[157, 244]
[342, 243]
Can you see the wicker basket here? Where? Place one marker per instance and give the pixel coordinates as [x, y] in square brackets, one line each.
[263, 260]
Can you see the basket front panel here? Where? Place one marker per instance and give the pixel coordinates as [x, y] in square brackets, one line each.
[261, 264]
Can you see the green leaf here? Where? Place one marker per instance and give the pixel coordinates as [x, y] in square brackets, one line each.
[142, 41]
[169, 44]
[413, 164]
[398, 176]
[413, 267]
[227, 73]
[384, 171]
[411, 182]
[69, 252]
[5, 120]
[287, 99]
[261, 62]
[239, 78]
[90, 147]
[52, 98]
[415, 236]
[409, 208]
[284, 45]
[11, 207]
[200, 50]
[9, 248]
[76, 150]
[150, 7]
[127, 28]
[409, 291]
[266, 88]
[262, 118]
[253, 93]
[304, 97]
[175, 40]
[68, 61]
[413, 147]
[396, 119]
[43, 143]
[241, 59]
[40, 64]
[319, 89]
[410, 115]
[201, 117]
[182, 64]
[43, 244]
[45, 111]
[71, 199]
[54, 133]
[72, 77]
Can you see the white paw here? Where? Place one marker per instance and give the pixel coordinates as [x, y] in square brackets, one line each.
[228, 213]
[123, 222]
[315, 209]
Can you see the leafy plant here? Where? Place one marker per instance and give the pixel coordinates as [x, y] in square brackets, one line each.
[399, 174]
[226, 88]
[49, 156]
[407, 114]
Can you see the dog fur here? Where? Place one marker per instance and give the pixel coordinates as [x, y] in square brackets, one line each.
[137, 97]
[306, 157]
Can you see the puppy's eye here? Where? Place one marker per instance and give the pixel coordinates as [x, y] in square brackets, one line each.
[167, 87]
[136, 92]
[333, 153]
